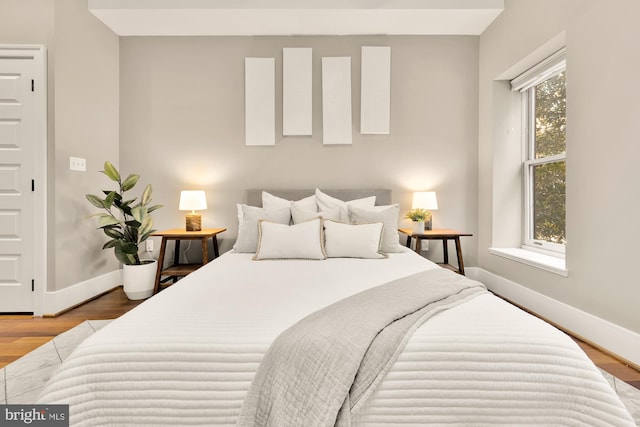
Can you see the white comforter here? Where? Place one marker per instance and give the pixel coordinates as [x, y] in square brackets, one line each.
[187, 356]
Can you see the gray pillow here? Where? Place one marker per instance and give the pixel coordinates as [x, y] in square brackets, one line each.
[247, 240]
[388, 215]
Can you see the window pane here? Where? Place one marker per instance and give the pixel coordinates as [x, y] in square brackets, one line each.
[549, 202]
[550, 119]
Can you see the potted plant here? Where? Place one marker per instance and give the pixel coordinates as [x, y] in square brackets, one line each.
[128, 223]
[419, 217]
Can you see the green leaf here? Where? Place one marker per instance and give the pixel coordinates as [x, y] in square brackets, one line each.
[123, 257]
[111, 172]
[106, 219]
[147, 223]
[129, 248]
[132, 234]
[146, 195]
[130, 182]
[95, 200]
[113, 233]
[153, 208]
[139, 213]
[133, 223]
[125, 209]
[94, 214]
[108, 201]
[109, 244]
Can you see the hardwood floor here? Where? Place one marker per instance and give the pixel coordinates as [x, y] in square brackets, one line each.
[20, 334]
[611, 365]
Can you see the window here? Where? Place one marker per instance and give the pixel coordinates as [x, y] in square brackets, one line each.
[543, 91]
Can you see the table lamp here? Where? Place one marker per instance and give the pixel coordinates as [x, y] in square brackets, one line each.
[193, 200]
[425, 200]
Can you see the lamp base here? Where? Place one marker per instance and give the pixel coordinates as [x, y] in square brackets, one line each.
[194, 222]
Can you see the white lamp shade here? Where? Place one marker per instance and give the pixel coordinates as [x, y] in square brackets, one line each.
[192, 200]
[425, 200]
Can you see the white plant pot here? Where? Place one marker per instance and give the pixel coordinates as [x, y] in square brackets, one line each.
[417, 227]
[138, 281]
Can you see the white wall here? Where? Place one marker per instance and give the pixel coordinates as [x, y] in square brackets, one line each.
[603, 63]
[182, 126]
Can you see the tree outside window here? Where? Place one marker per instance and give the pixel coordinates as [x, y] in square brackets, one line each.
[549, 193]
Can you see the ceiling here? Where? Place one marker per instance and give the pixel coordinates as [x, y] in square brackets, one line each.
[295, 17]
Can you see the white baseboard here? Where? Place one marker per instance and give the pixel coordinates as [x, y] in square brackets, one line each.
[613, 338]
[58, 301]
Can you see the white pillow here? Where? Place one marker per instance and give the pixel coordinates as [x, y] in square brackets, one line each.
[269, 201]
[300, 241]
[386, 214]
[326, 202]
[300, 214]
[247, 240]
[240, 214]
[353, 240]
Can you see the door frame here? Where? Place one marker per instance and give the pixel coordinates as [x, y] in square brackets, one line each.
[40, 217]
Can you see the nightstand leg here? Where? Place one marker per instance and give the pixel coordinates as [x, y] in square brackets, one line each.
[216, 253]
[205, 251]
[408, 241]
[176, 252]
[163, 247]
[418, 245]
[445, 250]
[459, 253]
[176, 258]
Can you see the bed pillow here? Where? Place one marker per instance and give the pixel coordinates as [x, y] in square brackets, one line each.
[299, 241]
[326, 202]
[269, 201]
[353, 240]
[386, 214]
[300, 214]
[247, 240]
[240, 214]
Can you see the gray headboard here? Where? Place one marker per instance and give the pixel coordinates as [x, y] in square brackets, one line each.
[383, 196]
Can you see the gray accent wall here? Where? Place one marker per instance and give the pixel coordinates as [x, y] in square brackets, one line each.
[182, 126]
[603, 147]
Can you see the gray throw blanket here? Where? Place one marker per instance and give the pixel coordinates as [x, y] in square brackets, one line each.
[317, 371]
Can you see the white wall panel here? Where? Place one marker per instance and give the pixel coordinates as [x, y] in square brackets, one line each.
[296, 91]
[336, 100]
[260, 101]
[375, 101]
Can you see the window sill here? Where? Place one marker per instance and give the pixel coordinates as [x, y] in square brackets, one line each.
[549, 263]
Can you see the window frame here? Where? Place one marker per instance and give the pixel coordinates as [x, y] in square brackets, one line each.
[526, 84]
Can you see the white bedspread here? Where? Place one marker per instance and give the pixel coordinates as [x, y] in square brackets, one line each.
[187, 356]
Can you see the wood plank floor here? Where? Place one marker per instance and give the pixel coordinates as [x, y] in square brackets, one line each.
[20, 334]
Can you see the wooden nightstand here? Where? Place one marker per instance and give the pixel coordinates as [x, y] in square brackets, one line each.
[177, 269]
[443, 234]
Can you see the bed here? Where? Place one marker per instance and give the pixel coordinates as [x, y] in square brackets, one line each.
[188, 355]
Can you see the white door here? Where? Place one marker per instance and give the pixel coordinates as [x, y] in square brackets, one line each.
[17, 163]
